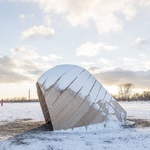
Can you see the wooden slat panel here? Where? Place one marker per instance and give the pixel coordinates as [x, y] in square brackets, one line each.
[77, 115]
[43, 104]
[94, 92]
[118, 110]
[101, 94]
[58, 123]
[107, 97]
[52, 96]
[88, 117]
[59, 105]
[100, 117]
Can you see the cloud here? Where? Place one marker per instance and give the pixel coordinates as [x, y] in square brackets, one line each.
[129, 61]
[140, 79]
[9, 67]
[145, 3]
[24, 65]
[51, 57]
[104, 61]
[24, 52]
[37, 31]
[110, 47]
[141, 41]
[104, 13]
[91, 49]
[23, 16]
[87, 64]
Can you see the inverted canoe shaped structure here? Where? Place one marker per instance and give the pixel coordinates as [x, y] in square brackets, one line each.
[72, 97]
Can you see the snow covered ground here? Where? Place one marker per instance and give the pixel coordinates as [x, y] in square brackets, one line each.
[95, 137]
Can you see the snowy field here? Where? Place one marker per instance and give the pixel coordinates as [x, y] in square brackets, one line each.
[22, 127]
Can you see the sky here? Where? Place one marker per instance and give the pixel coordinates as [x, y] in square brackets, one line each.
[110, 38]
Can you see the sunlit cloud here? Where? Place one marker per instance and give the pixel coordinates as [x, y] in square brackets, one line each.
[117, 76]
[37, 31]
[87, 64]
[110, 47]
[104, 61]
[24, 65]
[91, 49]
[142, 55]
[23, 16]
[104, 13]
[141, 41]
[51, 57]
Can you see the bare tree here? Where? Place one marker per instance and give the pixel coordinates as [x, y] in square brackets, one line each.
[125, 90]
[146, 95]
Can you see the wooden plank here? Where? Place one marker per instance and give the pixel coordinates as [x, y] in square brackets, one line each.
[119, 112]
[100, 117]
[52, 96]
[61, 103]
[77, 115]
[60, 120]
[101, 94]
[107, 97]
[43, 104]
[88, 117]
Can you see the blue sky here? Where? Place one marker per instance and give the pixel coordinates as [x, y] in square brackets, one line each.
[109, 38]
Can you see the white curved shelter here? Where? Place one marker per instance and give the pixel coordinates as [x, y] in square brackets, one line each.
[72, 97]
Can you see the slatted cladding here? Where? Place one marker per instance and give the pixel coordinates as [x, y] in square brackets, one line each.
[118, 110]
[59, 122]
[43, 104]
[100, 117]
[52, 96]
[89, 116]
[75, 98]
[60, 104]
[101, 94]
[51, 76]
[70, 77]
[85, 103]
[77, 115]
[86, 119]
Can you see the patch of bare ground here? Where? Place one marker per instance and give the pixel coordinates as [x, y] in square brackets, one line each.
[139, 123]
[10, 129]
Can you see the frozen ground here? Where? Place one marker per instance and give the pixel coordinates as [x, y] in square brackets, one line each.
[22, 127]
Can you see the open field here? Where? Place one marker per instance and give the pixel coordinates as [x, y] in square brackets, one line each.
[22, 127]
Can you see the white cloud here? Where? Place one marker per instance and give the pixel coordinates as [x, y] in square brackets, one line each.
[142, 55]
[22, 51]
[104, 13]
[91, 49]
[140, 41]
[51, 57]
[110, 47]
[38, 31]
[146, 64]
[23, 16]
[87, 64]
[131, 62]
[104, 61]
[47, 20]
[145, 2]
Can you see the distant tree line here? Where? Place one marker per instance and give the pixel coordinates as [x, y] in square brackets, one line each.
[19, 99]
[125, 93]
